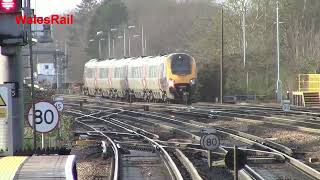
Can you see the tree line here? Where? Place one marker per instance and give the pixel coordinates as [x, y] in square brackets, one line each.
[194, 26]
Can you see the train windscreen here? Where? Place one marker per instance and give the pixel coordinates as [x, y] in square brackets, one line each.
[181, 64]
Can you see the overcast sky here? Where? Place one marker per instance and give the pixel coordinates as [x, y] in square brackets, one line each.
[48, 7]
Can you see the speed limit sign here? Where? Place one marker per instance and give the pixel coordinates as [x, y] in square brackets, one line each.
[210, 142]
[46, 117]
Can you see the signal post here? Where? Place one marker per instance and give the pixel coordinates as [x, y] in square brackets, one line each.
[12, 37]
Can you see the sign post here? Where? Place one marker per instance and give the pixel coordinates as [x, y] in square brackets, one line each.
[210, 142]
[235, 160]
[235, 165]
[286, 106]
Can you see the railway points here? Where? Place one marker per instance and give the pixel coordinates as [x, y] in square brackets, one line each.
[151, 118]
[92, 100]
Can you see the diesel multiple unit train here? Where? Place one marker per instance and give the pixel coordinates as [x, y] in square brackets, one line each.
[162, 78]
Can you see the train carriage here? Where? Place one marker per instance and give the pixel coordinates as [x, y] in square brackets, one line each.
[90, 77]
[168, 77]
[136, 77]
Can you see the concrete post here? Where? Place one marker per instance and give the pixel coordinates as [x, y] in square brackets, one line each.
[11, 70]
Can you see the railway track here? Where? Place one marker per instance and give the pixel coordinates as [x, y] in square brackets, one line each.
[141, 154]
[114, 173]
[291, 165]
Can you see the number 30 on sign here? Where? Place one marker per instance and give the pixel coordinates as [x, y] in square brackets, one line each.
[46, 117]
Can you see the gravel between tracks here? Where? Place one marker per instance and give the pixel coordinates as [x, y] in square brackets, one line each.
[90, 164]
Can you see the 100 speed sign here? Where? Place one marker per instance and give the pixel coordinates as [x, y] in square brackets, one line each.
[46, 117]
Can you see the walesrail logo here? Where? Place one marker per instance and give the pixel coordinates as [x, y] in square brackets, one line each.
[53, 19]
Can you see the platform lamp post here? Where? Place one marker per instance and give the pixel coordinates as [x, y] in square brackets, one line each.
[99, 34]
[109, 37]
[121, 37]
[130, 27]
[135, 36]
[142, 41]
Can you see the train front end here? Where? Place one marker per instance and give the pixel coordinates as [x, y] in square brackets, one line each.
[182, 77]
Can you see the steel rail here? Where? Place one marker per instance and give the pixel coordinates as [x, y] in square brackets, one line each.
[191, 171]
[260, 141]
[300, 166]
[163, 153]
[115, 162]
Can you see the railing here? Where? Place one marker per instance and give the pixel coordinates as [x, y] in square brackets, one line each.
[243, 98]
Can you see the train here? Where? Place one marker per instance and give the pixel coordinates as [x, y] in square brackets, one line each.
[164, 78]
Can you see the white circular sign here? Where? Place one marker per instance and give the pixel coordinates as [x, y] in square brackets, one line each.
[46, 117]
[59, 105]
[210, 142]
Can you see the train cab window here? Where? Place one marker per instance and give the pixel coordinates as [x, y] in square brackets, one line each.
[181, 64]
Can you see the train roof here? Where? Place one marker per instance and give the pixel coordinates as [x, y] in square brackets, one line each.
[132, 60]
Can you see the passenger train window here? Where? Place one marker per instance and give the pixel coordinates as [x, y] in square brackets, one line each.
[153, 71]
[103, 73]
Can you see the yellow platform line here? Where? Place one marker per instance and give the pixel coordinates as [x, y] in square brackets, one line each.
[9, 166]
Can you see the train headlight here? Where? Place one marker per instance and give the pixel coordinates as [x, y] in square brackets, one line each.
[193, 81]
[171, 83]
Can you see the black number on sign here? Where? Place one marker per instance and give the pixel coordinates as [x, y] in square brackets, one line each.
[211, 142]
[45, 116]
[38, 115]
[208, 142]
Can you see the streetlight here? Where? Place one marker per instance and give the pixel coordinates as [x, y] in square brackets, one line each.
[134, 36]
[130, 27]
[111, 30]
[222, 53]
[244, 42]
[142, 41]
[279, 88]
[124, 45]
[99, 34]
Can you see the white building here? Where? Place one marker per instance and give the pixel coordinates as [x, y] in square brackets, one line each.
[45, 73]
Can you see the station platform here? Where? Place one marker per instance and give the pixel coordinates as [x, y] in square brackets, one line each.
[38, 167]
